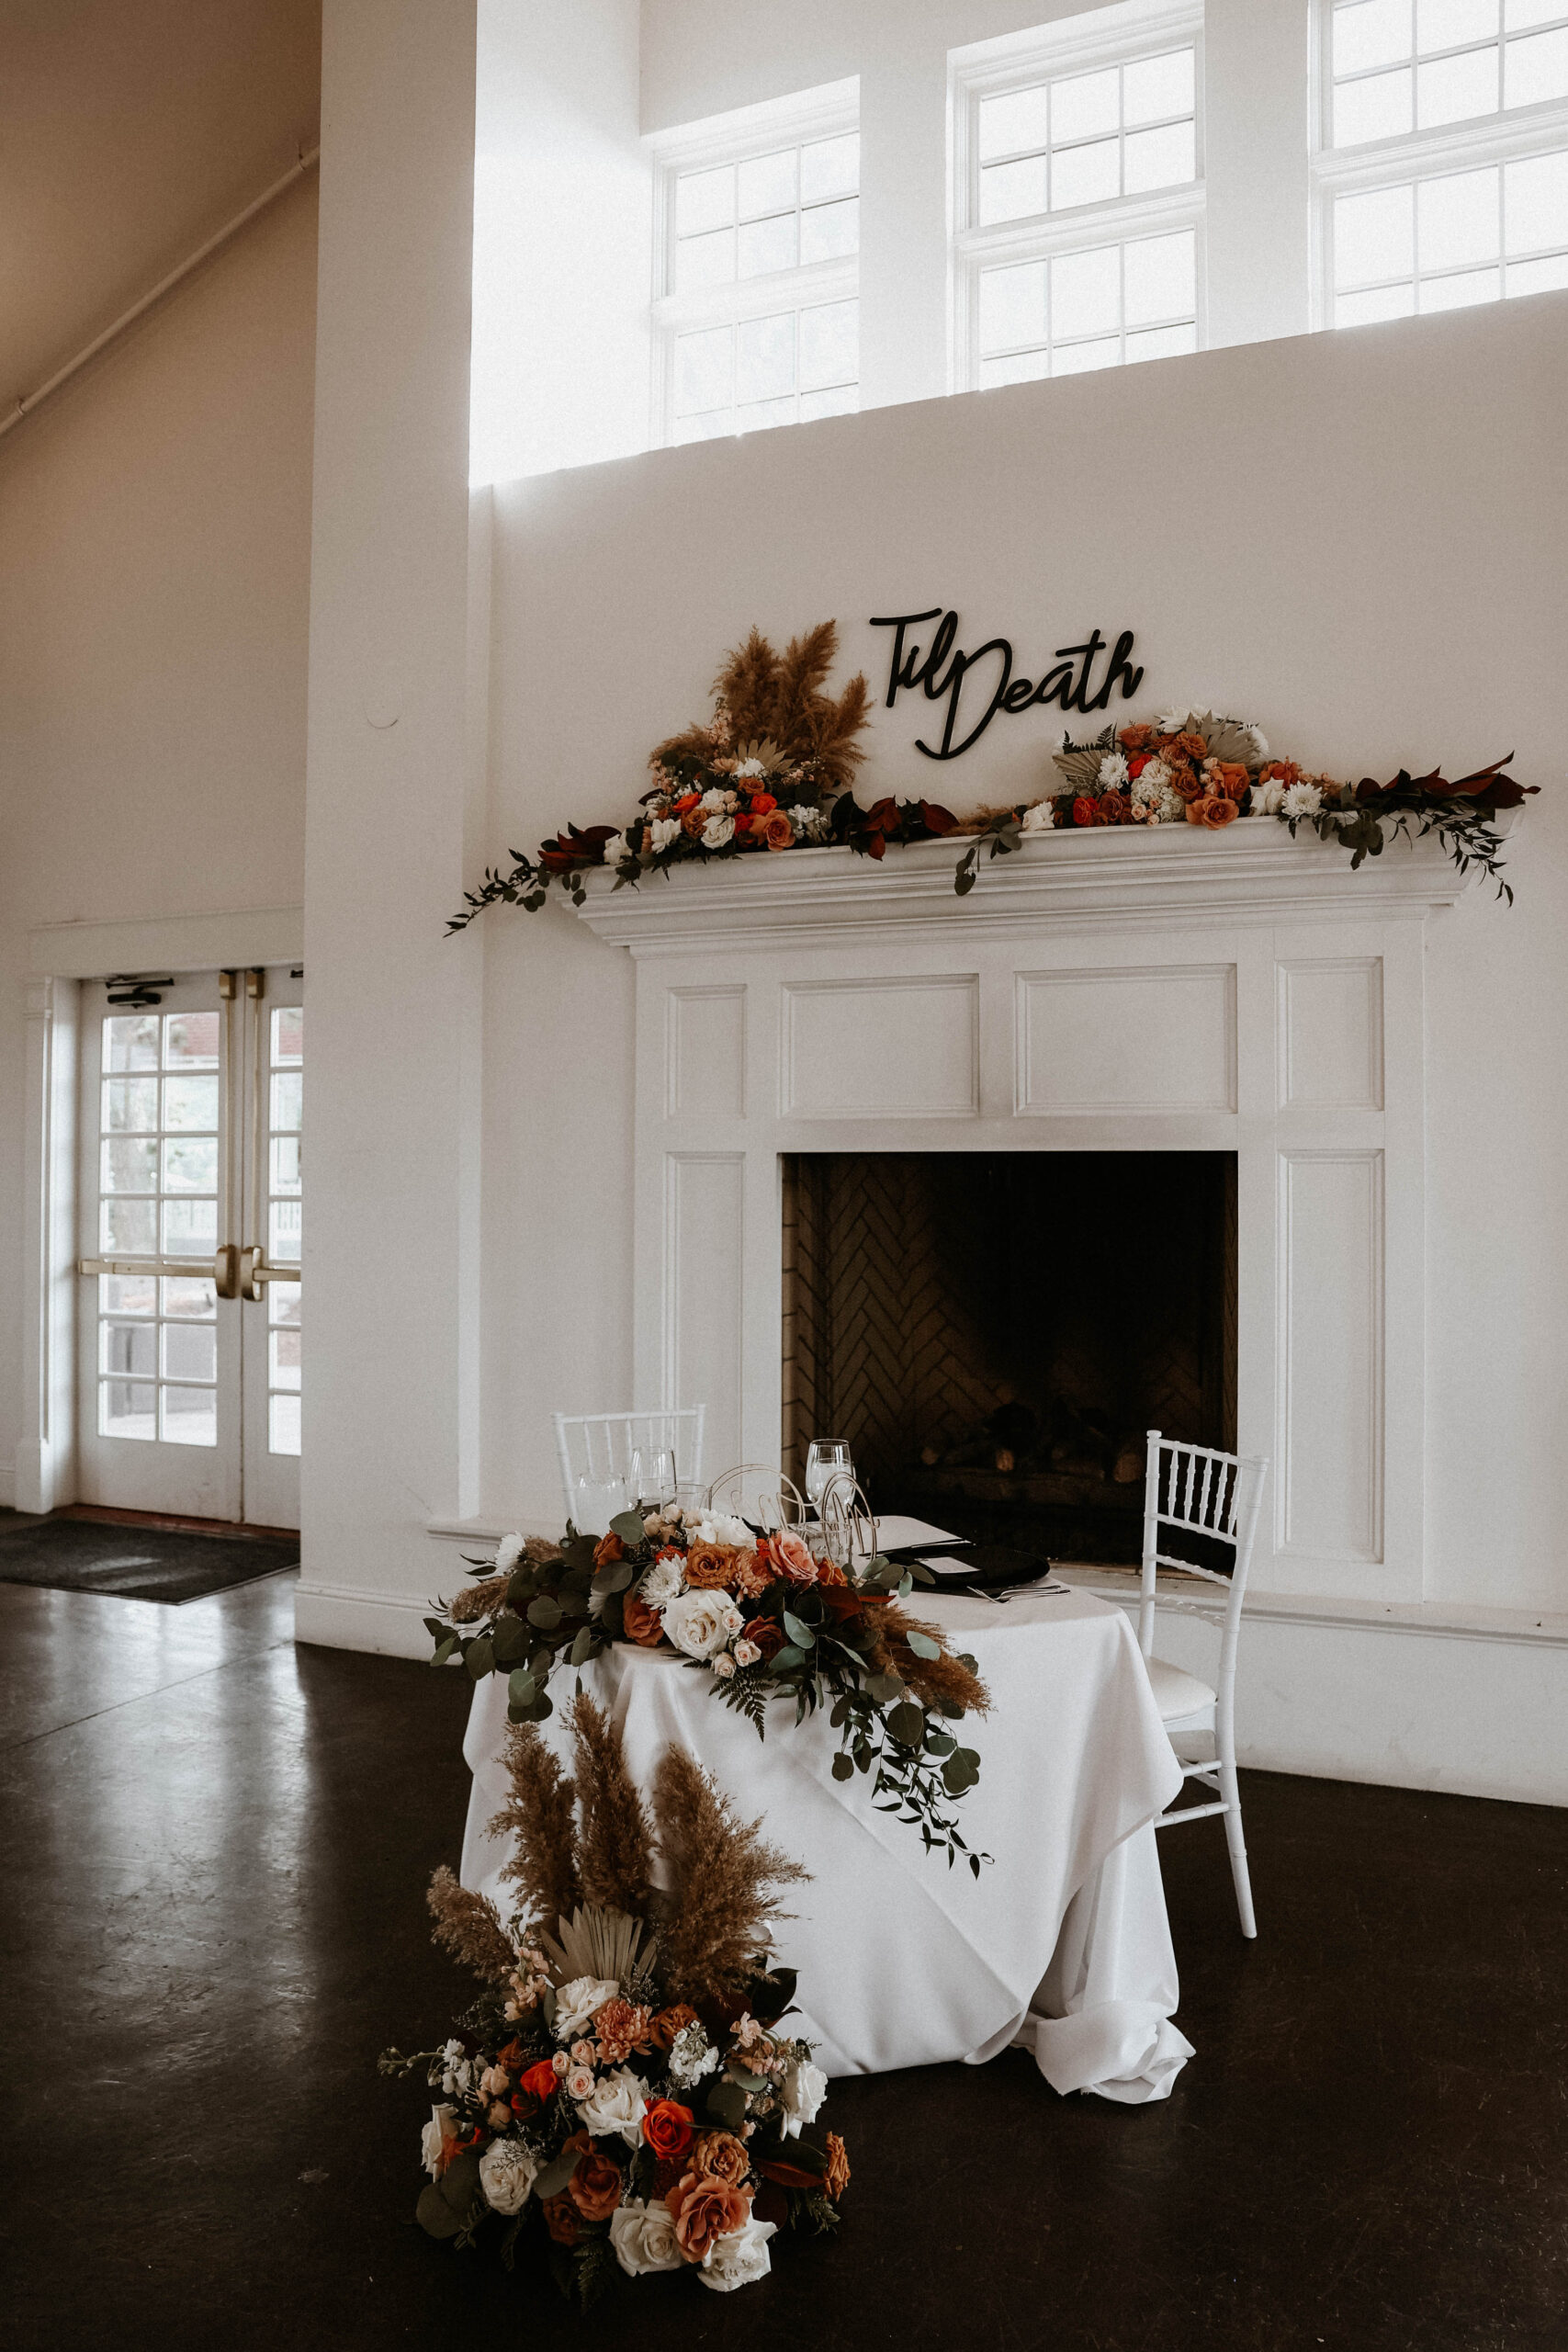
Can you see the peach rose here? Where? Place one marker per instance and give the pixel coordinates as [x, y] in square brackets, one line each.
[710, 1567]
[607, 1551]
[829, 1572]
[668, 2023]
[776, 831]
[1212, 811]
[596, 2186]
[562, 2219]
[1189, 746]
[837, 2178]
[642, 1623]
[718, 2156]
[703, 2210]
[792, 1558]
[1232, 778]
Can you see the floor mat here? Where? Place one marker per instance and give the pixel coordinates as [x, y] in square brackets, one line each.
[135, 1563]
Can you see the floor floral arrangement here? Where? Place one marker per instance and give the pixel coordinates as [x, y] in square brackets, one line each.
[759, 1614]
[774, 770]
[621, 2097]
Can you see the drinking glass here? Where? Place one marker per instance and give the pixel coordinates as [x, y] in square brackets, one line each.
[826, 1457]
[653, 1476]
[600, 1495]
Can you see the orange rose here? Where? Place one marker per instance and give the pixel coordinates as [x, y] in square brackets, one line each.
[1186, 781]
[829, 1572]
[1283, 772]
[763, 804]
[703, 2210]
[710, 1567]
[1232, 778]
[718, 2156]
[837, 2177]
[1212, 811]
[776, 831]
[539, 2082]
[1135, 739]
[1083, 810]
[669, 2022]
[513, 2057]
[687, 800]
[693, 821]
[754, 1572]
[562, 2219]
[1191, 746]
[667, 2127]
[1112, 809]
[607, 1551]
[641, 1622]
[596, 2186]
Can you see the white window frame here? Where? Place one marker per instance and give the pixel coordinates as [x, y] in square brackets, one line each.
[1412, 156]
[829, 113]
[1113, 36]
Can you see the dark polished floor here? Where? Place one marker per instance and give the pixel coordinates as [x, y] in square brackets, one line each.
[214, 1846]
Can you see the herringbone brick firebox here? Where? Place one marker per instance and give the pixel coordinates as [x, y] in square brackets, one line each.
[994, 1331]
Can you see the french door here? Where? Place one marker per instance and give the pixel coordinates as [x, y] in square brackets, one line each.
[189, 1291]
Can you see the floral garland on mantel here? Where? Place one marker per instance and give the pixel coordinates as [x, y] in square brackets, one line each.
[772, 770]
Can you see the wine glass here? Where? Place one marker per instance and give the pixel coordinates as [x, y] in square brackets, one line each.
[653, 1476]
[826, 1458]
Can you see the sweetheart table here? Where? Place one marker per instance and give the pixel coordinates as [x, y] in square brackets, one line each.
[1062, 1945]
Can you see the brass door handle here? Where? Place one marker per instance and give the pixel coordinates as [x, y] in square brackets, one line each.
[256, 1273]
[226, 1270]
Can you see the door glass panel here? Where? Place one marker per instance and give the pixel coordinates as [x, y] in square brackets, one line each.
[285, 1228]
[190, 1351]
[190, 1103]
[131, 1106]
[130, 1041]
[127, 1409]
[189, 1416]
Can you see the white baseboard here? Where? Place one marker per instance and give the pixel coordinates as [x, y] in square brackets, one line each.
[351, 1617]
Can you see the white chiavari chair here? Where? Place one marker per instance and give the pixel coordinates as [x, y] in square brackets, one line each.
[1196, 1490]
[595, 1452]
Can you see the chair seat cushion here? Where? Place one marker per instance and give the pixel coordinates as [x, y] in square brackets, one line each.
[1177, 1693]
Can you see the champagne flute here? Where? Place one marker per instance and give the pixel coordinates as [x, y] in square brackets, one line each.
[653, 1476]
[826, 1458]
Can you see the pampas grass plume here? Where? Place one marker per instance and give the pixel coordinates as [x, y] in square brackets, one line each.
[468, 1926]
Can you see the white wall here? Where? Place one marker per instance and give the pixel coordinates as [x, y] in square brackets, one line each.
[154, 552]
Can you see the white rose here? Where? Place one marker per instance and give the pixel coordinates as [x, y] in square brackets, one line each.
[506, 2175]
[724, 1666]
[746, 1653]
[717, 830]
[701, 1624]
[618, 2104]
[440, 2128]
[614, 849]
[804, 2089]
[1040, 818]
[508, 1551]
[661, 1583]
[643, 2237]
[663, 830]
[715, 801]
[719, 1527]
[738, 2260]
[576, 2002]
[1266, 797]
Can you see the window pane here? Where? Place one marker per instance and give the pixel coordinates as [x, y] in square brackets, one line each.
[190, 1164]
[127, 1164]
[704, 201]
[764, 358]
[1536, 68]
[759, 417]
[767, 184]
[1160, 158]
[189, 1416]
[127, 1410]
[128, 1228]
[190, 1228]
[128, 1294]
[283, 1302]
[1370, 32]
[1085, 292]
[1456, 219]
[828, 231]
[1538, 277]
[1535, 203]
[190, 1296]
[1448, 24]
[1012, 306]
[767, 245]
[1457, 293]
[131, 1105]
[130, 1041]
[711, 427]
[1374, 236]
[1086, 105]
[843, 399]
[129, 1348]
[1013, 123]
[1162, 342]
[289, 1086]
[1012, 191]
[1156, 86]
[285, 1163]
[705, 261]
[288, 1033]
[190, 1041]
[829, 345]
[1161, 277]
[190, 1102]
[1452, 89]
[1378, 108]
[1518, 13]
[1087, 174]
[703, 380]
[1020, 367]
[190, 1351]
[283, 1241]
[1383, 302]
[284, 1359]
[829, 167]
[284, 1433]
[1079, 359]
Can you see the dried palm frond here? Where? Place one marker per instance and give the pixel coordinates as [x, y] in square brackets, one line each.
[593, 1942]
[615, 1861]
[720, 1900]
[477, 1599]
[468, 1926]
[539, 1818]
[939, 1681]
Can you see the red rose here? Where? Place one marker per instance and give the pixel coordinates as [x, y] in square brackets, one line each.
[767, 1633]
[761, 802]
[539, 2082]
[1083, 811]
[1136, 767]
[667, 2127]
[562, 2219]
[687, 800]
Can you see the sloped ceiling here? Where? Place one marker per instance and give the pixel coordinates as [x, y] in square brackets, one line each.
[131, 131]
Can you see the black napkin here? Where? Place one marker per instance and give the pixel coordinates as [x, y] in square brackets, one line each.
[993, 1568]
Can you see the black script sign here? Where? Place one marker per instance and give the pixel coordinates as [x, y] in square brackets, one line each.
[944, 672]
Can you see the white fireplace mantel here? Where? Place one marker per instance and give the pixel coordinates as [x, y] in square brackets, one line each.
[1253, 872]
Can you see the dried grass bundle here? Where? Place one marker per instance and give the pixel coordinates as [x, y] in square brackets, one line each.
[720, 1898]
[477, 1600]
[614, 1860]
[936, 1681]
[468, 1926]
[539, 1818]
[779, 699]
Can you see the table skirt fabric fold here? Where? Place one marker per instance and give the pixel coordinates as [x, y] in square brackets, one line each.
[1061, 1946]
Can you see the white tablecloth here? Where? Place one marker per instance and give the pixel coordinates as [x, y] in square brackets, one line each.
[1062, 1945]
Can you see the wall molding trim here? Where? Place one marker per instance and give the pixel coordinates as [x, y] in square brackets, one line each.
[190, 943]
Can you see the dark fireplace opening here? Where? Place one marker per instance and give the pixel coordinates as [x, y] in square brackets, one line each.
[994, 1331]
